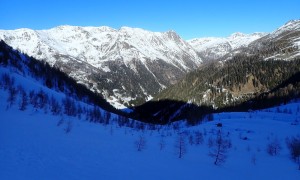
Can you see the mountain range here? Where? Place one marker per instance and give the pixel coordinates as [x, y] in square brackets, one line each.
[129, 66]
[239, 71]
[262, 74]
[212, 48]
[124, 65]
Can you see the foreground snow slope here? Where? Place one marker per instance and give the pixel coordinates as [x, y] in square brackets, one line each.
[35, 144]
[34, 147]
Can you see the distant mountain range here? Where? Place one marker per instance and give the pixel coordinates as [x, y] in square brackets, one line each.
[212, 48]
[129, 66]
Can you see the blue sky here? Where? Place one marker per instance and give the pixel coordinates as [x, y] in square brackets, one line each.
[189, 18]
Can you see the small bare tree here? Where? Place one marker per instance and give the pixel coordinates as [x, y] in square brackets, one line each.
[162, 143]
[274, 147]
[253, 159]
[191, 139]
[54, 106]
[60, 122]
[219, 149]
[111, 130]
[180, 145]
[198, 138]
[107, 117]
[24, 101]
[69, 127]
[140, 143]
[294, 147]
[210, 142]
[12, 95]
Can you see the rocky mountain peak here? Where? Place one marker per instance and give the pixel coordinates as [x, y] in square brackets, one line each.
[237, 35]
[293, 25]
[124, 65]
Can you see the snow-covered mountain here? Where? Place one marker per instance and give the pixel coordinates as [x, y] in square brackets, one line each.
[293, 25]
[286, 37]
[130, 65]
[96, 45]
[123, 65]
[281, 44]
[211, 48]
[248, 72]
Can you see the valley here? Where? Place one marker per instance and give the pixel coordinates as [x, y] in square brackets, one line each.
[97, 102]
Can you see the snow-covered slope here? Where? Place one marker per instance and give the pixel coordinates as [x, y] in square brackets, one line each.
[34, 146]
[211, 48]
[293, 25]
[115, 63]
[281, 44]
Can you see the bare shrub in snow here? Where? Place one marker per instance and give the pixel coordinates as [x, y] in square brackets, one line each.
[191, 139]
[274, 147]
[107, 117]
[69, 106]
[60, 122]
[140, 143]
[12, 95]
[54, 106]
[7, 81]
[24, 100]
[210, 142]
[253, 159]
[198, 138]
[180, 145]
[162, 143]
[69, 127]
[293, 144]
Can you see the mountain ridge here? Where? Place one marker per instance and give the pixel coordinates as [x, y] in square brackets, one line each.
[165, 57]
[129, 66]
[244, 76]
[213, 48]
[160, 58]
